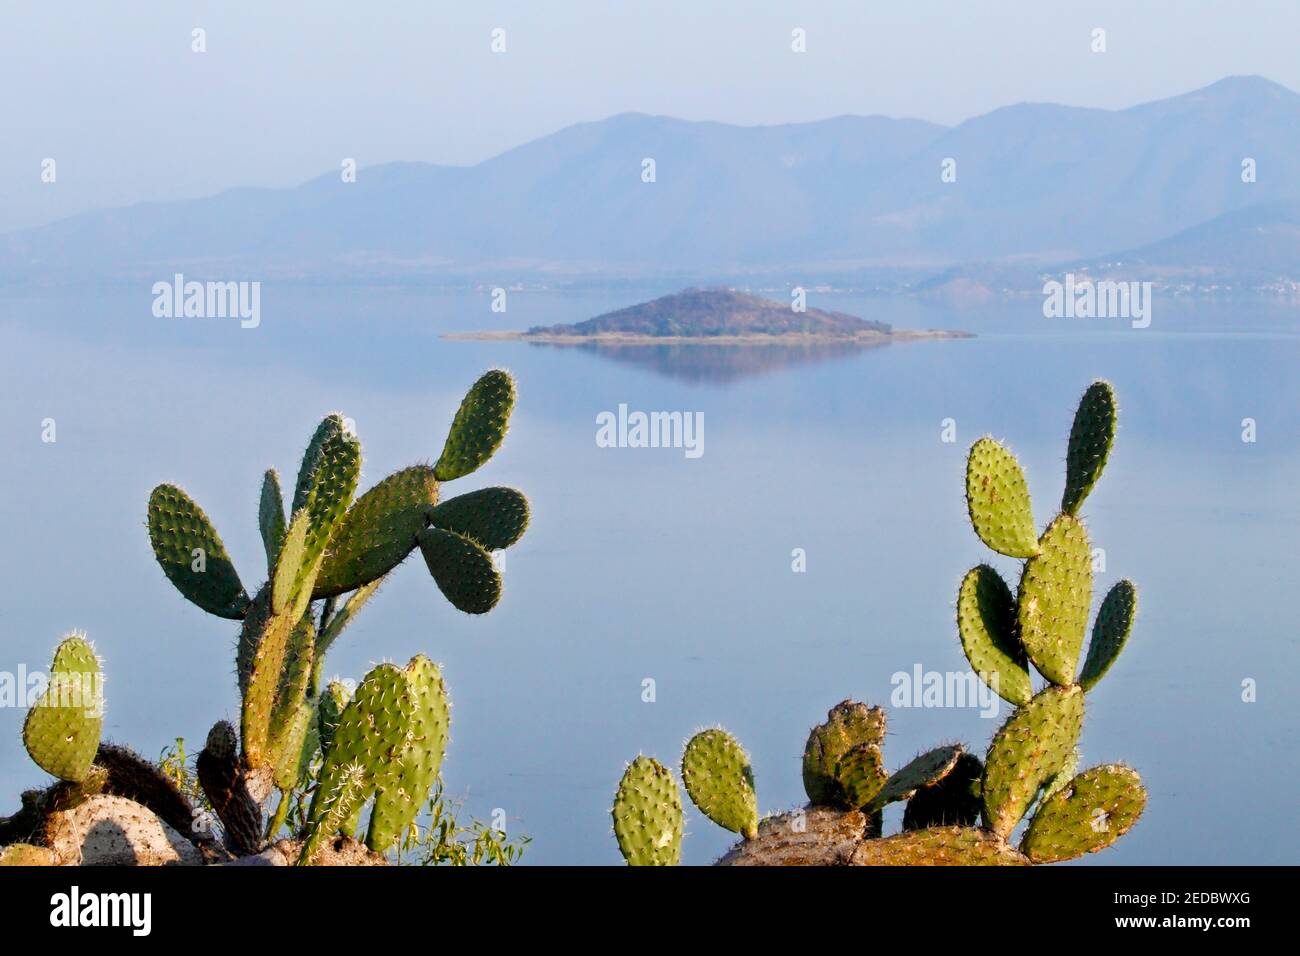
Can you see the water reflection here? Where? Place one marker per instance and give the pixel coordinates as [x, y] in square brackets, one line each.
[720, 364]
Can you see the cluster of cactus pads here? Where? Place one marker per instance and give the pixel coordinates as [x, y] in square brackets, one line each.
[959, 809]
[326, 556]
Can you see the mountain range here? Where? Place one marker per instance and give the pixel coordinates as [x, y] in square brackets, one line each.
[1037, 187]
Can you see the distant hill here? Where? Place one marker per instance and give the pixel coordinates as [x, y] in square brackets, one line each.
[1036, 184]
[1258, 243]
[710, 313]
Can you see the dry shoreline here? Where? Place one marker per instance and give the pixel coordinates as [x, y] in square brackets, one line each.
[785, 338]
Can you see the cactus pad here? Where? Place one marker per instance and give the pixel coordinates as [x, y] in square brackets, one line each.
[62, 728]
[648, 815]
[24, 854]
[1089, 813]
[990, 634]
[997, 499]
[270, 517]
[1091, 437]
[922, 771]
[1027, 752]
[1055, 594]
[329, 429]
[177, 529]
[848, 724]
[1109, 633]
[938, 846]
[371, 736]
[290, 712]
[379, 531]
[335, 481]
[953, 800]
[861, 775]
[217, 768]
[463, 571]
[720, 781]
[494, 517]
[479, 426]
[289, 561]
[330, 706]
[406, 787]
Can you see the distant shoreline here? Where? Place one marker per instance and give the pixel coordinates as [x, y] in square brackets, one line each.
[785, 338]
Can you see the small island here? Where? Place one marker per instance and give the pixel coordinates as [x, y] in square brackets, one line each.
[714, 317]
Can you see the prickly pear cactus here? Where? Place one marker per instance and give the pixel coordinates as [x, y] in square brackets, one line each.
[720, 782]
[62, 729]
[402, 792]
[648, 815]
[848, 725]
[371, 736]
[479, 426]
[1089, 813]
[961, 810]
[327, 555]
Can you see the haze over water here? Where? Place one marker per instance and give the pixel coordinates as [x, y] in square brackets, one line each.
[642, 563]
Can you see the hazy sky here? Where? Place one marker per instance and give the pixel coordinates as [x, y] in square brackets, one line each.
[113, 92]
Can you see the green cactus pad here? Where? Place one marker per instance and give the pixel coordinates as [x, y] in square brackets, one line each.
[938, 846]
[270, 518]
[1029, 749]
[990, 634]
[333, 699]
[848, 724]
[250, 636]
[1089, 813]
[404, 791]
[336, 477]
[177, 529]
[289, 768]
[24, 854]
[953, 800]
[289, 561]
[265, 668]
[62, 728]
[997, 499]
[1109, 633]
[720, 781]
[371, 736]
[330, 428]
[463, 571]
[288, 723]
[494, 517]
[379, 531]
[648, 815]
[479, 426]
[861, 774]
[1055, 593]
[1091, 438]
[922, 771]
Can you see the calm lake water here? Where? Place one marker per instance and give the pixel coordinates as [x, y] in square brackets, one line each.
[645, 564]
